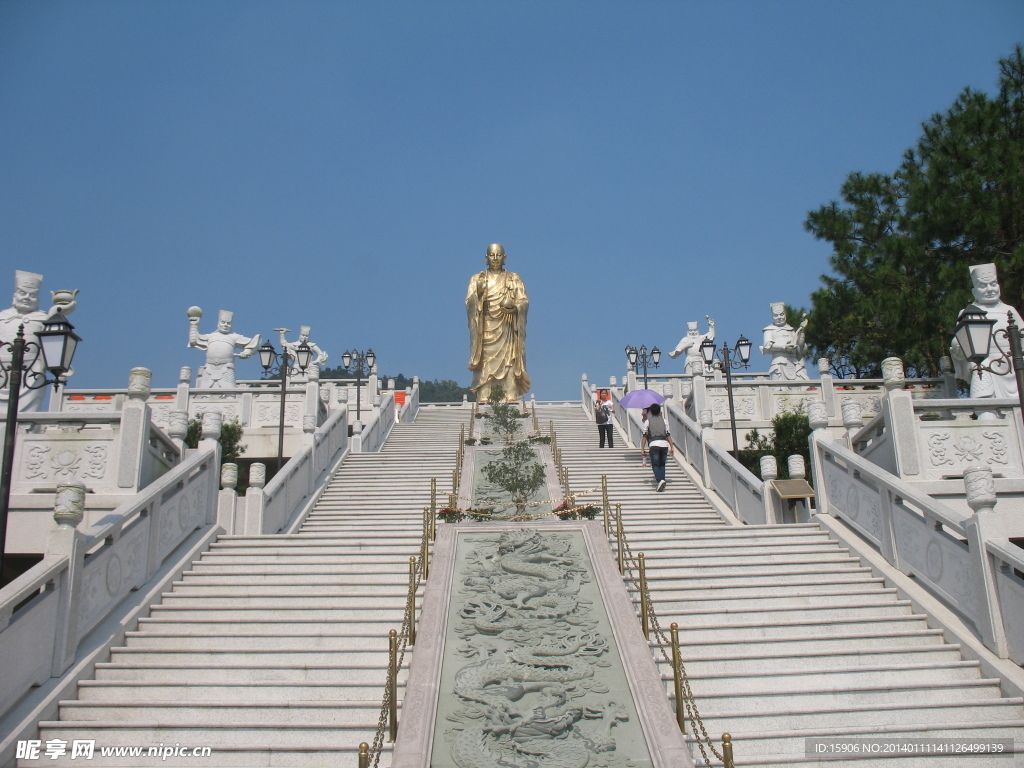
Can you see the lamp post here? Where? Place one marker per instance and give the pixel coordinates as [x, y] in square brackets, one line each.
[56, 343]
[727, 363]
[268, 358]
[974, 333]
[359, 363]
[640, 357]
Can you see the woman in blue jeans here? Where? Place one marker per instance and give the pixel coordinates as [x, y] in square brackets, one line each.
[659, 441]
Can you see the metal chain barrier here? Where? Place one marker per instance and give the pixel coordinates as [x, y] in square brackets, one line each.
[663, 643]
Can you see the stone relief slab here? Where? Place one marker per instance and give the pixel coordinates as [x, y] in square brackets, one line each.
[936, 558]
[948, 450]
[855, 501]
[531, 675]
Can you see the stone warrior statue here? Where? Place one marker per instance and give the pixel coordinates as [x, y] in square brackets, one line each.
[25, 311]
[786, 345]
[690, 344]
[319, 356]
[219, 371]
[496, 306]
[988, 301]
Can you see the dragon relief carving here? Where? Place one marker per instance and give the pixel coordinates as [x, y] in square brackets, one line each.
[531, 698]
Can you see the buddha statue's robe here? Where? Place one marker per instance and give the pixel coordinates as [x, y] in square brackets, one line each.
[496, 307]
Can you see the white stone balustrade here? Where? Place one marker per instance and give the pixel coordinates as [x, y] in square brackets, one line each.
[968, 562]
[84, 575]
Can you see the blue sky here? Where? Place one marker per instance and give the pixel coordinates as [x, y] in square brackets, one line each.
[345, 165]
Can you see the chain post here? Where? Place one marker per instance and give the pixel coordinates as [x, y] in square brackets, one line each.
[412, 600]
[426, 524]
[455, 481]
[393, 685]
[618, 536]
[727, 751]
[364, 755]
[677, 683]
[644, 606]
[433, 496]
[432, 524]
[426, 559]
[604, 502]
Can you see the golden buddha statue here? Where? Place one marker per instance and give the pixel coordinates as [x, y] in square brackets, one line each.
[496, 306]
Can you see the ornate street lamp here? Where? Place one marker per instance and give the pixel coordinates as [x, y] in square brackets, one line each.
[727, 363]
[636, 358]
[269, 357]
[359, 363]
[974, 334]
[56, 343]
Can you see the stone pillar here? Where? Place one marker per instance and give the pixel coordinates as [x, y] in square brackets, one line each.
[817, 417]
[227, 499]
[699, 397]
[984, 526]
[613, 381]
[797, 467]
[212, 422]
[631, 380]
[67, 541]
[769, 472]
[948, 378]
[828, 389]
[177, 428]
[852, 421]
[707, 437]
[182, 395]
[133, 436]
[255, 500]
[372, 384]
[898, 412]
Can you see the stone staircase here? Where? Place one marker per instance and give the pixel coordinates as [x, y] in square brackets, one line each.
[784, 634]
[272, 650]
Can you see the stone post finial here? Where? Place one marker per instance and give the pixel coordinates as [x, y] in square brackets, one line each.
[177, 424]
[817, 414]
[613, 381]
[343, 394]
[892, 373]
[139, 383]
[376, 401]
[313, 373]
[852, 415]
[465, 399]
[69, 503]
[686, 388]
[824, 366]
[309, 424]
[797, 467]
[185, 375]
[391, 385]
[212, 422]
[228, 476]
[257, 475]
[981, 487]
[769, 468]
[945, 365]
[707, 418]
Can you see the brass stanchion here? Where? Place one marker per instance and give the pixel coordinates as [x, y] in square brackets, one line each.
[364, 755]
[393, 685]
[426, 559]
[618, 539]
[412, 600]
[604, 503]
[455, 481]
[677, 682]
[727, 760]
[433, 495]
[644, 607]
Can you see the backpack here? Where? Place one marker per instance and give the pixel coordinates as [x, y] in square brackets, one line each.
[656, 429]
[602, 414]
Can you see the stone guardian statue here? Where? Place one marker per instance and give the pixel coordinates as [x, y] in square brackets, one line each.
[220, 346]
[690, 344]
[988, 301]
[319, 356]
[786, 345]
[25, 311]
[496, 307]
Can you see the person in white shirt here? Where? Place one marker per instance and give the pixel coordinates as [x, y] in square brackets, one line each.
[658, 441]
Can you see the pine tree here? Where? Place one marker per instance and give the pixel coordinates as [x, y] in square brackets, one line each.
[902, 242]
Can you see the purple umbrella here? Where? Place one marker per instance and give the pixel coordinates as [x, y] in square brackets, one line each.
[641, 398]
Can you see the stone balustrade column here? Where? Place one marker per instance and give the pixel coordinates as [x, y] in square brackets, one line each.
[182, 394]
[227, 499]
[133, 435]
[900, 421]
[948, 377]
[817, 418]
[707, 438]
[769, 472]
[828, 385]
[67, 541]
[255, 500]
[177, 429]
[853, 420]
[985, 525]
